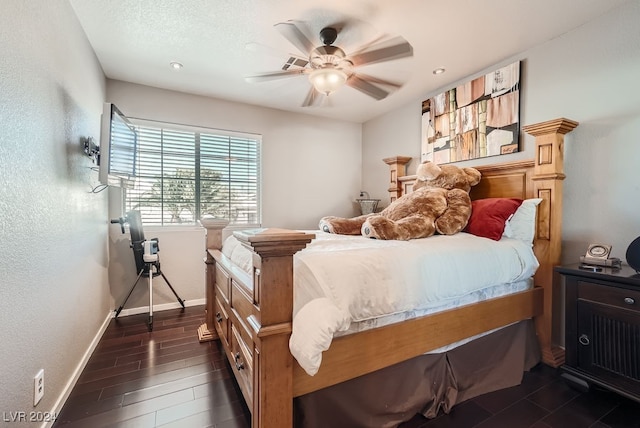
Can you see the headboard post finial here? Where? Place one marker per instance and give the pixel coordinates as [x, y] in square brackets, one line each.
[549, 137]
[548, 175]
[397, 168]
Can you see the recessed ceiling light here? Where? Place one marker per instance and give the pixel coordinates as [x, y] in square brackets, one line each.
[176, 65]
[439, 70]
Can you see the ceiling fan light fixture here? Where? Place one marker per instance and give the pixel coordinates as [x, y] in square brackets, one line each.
[327, 80]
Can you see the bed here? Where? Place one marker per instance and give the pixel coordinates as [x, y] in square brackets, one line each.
[252, 310]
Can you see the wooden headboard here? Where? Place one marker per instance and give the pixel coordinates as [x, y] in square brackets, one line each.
[540, 177]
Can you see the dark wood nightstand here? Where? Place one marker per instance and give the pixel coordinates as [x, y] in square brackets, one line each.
[602, 328]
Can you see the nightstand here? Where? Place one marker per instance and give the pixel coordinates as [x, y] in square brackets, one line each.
[602, 328]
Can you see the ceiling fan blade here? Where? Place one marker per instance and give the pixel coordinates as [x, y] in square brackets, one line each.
[292, 32]
[313, 98]
[366, 87]
[264, 77]
[378, 81]
[261, 48]
[379, 39]
[395, 48]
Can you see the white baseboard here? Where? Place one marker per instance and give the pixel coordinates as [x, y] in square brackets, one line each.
[161, 307]
[78, 371]
[94, 343]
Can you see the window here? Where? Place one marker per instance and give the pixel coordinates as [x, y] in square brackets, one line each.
[183, 174]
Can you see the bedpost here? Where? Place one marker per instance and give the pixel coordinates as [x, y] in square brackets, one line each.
[213, 241]
[397, 169]
[271, 322]
[548, 174]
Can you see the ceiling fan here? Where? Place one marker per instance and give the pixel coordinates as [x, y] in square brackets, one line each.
[328, 67]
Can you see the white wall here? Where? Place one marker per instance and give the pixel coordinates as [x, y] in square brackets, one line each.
[311, 168]
[53, 246]
[589, 75]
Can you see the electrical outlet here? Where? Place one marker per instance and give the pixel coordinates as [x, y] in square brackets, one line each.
[38, 387]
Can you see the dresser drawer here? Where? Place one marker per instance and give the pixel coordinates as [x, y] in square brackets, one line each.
[625, 299]
[242, 364]
[223, 282]
[242, 303]
[221, 320]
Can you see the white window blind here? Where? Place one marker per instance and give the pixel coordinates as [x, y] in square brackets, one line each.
[182, 175]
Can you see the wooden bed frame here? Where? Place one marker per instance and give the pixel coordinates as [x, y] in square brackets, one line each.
[252, 316]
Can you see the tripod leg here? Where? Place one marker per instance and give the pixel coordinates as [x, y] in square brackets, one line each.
[150, 299]
[174, 291]
[128, 295]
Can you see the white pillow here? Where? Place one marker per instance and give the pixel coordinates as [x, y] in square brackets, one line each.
[522, 224]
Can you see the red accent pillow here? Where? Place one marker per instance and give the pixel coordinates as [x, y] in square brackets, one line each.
[489, 215]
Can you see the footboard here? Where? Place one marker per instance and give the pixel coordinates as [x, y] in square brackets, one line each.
[252, 317]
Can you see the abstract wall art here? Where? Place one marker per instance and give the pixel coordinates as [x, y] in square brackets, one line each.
[476, 119]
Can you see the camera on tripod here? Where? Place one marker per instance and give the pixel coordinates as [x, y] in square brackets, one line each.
[145, 253]
[150, 248]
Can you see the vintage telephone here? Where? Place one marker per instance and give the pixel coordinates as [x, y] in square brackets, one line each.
[598, 255]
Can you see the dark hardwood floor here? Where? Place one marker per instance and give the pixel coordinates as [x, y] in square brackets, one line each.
[137, 378]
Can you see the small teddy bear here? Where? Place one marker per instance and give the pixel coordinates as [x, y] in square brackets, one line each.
[439, 203]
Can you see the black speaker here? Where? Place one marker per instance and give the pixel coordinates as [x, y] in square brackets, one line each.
[633, 254]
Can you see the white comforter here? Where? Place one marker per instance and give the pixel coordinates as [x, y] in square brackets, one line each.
[339, 280]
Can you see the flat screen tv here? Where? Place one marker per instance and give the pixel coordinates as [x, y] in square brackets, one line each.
[118, 148]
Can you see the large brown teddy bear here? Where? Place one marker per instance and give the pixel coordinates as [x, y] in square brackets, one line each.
[439, 202]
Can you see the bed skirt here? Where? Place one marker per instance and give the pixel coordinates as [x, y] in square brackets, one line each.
[426, 384]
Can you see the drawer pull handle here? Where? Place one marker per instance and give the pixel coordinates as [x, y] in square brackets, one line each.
[584, 340]
[218, 317]
[629, 301]
[239, 364]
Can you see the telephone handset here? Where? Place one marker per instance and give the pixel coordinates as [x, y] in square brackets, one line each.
[598, 255]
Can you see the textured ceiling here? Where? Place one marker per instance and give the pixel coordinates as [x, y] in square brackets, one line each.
[221, 41]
